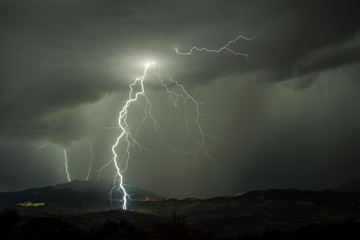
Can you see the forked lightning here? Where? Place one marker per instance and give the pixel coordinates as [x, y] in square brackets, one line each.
[181, 94]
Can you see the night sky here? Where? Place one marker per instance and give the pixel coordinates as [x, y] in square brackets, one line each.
[288, 117]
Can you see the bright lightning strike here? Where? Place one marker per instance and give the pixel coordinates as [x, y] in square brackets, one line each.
[181, 94]
[125, 134]
[66, 166]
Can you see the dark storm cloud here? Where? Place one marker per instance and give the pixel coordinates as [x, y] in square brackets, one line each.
[58, 58]
[41, 37]
[297, 38]
[330, 58]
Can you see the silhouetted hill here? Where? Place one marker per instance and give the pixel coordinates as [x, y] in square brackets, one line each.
[350, 186]
[73, 197]
[260, 210]
[86, 205]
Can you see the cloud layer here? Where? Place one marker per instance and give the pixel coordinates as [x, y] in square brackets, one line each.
[65, 68]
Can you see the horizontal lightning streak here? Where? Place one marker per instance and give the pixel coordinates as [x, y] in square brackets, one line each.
[223, 48]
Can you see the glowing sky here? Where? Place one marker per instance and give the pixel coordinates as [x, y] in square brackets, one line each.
[288, 118]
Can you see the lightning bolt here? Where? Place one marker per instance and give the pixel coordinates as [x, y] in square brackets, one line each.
[41, 147]
[125, 131]
[66, 166]
[119, 186]
[226, 47]
[38, 149]
[99, 171]
[186, 97]
[177, 97]
[92, 159]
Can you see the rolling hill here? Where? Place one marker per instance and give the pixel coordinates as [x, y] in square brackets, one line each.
[86, 205]
[74, 197]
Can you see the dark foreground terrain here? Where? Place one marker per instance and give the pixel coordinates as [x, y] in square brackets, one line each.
[82, 210]
[175, 229]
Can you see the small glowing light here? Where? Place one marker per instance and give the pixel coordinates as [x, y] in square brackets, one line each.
[31, 204]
